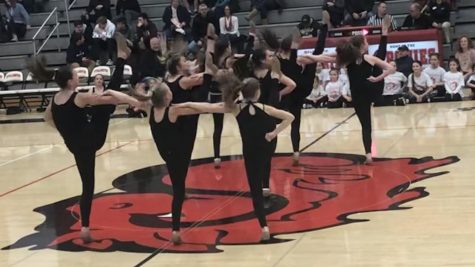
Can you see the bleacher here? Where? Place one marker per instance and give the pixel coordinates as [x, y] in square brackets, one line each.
[13, 55]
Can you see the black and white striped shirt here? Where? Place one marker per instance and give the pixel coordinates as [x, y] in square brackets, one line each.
[377, 21]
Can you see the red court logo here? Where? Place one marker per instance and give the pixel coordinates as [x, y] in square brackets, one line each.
[321, 193]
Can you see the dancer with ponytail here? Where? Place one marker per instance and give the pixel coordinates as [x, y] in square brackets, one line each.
[82, 135]
[360, 67]
[258, 132]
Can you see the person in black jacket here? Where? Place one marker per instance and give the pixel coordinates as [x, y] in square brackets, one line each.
[359, 11]
[99, 8]
[152, 61]
[177, 20]
[333, 13]
[200, 27]
[78, 54]
[129, 9]
[146, 30]
[439, 11]
[404, 60]
[416, 19]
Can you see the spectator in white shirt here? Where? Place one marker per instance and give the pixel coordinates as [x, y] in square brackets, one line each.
[454, 81]
[470, 78]
[323, 74]
[336, 91]
[436, 73]
[229, 26]
[420, 84]
[317, 97]
[103, 42]
[394, 85]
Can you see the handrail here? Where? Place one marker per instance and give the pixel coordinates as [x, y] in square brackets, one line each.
[68, 7]
[44, 23]
[55, 29]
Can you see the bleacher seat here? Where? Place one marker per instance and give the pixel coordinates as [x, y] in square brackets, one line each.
[102, 70]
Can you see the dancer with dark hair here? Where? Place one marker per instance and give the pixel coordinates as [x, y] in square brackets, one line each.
[258, 130]
[360, 67]
[302, 76]
[82, 135]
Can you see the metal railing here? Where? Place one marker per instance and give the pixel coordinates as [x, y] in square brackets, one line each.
[54, 29]
[68, 7]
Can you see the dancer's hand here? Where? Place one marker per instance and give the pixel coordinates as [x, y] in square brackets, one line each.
[373, 79]
[271, 136]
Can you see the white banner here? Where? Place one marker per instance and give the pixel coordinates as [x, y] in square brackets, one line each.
[420, 50]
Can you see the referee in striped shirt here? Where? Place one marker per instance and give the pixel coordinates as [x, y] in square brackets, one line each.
[377, 19]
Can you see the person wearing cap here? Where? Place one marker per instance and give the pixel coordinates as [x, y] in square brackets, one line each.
[308, 26]
[404, 61]
[416, 19]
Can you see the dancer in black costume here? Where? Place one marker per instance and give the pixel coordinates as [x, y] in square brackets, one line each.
[302, 76]
[82, 135]
[360, 67]
[258, 130]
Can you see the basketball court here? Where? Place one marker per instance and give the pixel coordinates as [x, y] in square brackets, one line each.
[413, 207]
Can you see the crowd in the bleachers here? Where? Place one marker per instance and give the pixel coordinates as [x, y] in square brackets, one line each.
[92, 43]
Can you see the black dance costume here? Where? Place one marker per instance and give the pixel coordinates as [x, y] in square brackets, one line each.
[362, 97]
[269, 96]
[84, 131]
[169, 138]
[82, 141]
[101, 114]
[215, 96]
[304, 81]
[188, 124]
[257, 152]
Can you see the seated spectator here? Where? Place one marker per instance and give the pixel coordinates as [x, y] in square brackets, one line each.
[263, 7]
[377, 19]
[177, 20]
[465, 53]
[5, 36]
[404, 60]
[218, 7]
[439, 11]
[200, 27]
[103, 42]
[333, 13]
[420, 85]
[152, 61]
[317, 97]
[436, 73]
[129, 9]
[78, 54]
[454, 82]
[99, 8]
[359, 11]
[336, 91]
[18, 20]
[146, 30]
[470, 77]
[416, 19]
[308, 26]
[323, 74]
[394, 85]
[122, 27]
[229, 27]
[85, 29]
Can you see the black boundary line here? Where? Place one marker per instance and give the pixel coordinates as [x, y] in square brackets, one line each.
[327, 133]
[158, 251]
